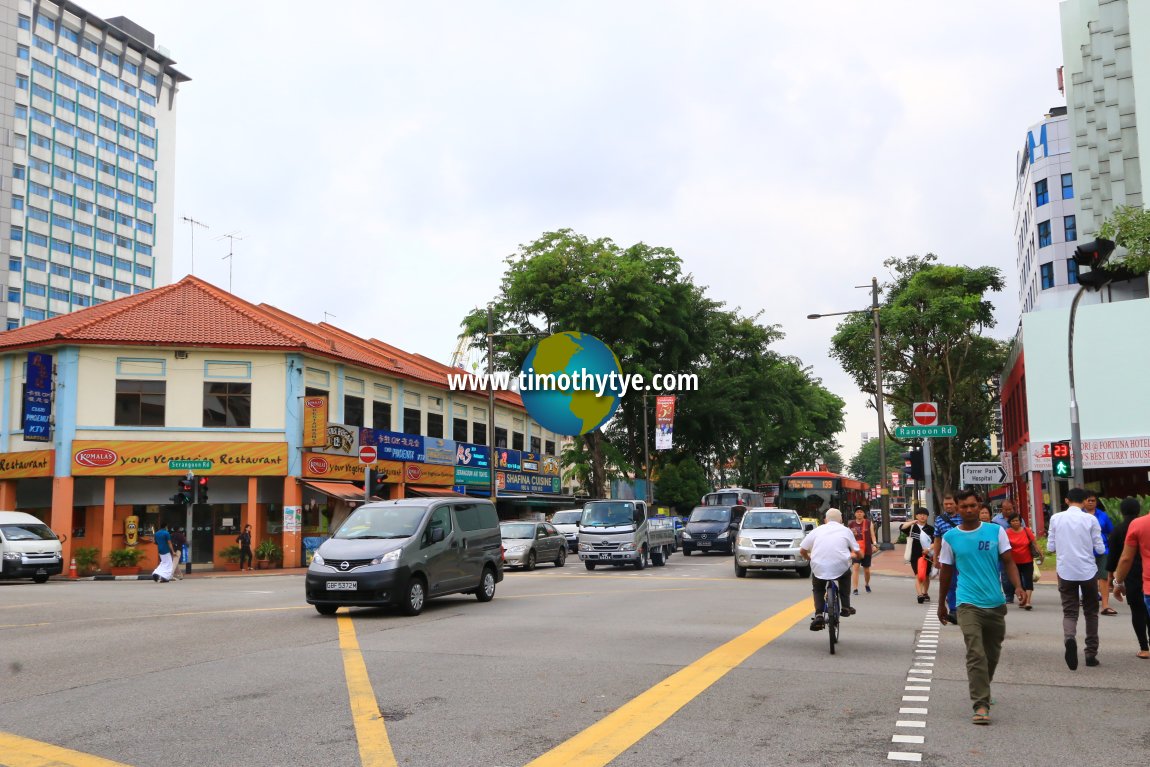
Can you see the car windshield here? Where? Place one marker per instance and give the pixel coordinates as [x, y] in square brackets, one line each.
[566, 517]
[711, 514]
[773, 520]
[29, 531]
[608, 514]
[369, 522]
[518, 530]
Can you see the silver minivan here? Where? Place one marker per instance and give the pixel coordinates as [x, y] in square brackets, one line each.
[405, 552]
[28, 548]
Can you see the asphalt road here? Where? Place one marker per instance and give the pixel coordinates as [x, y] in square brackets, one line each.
[239, 671]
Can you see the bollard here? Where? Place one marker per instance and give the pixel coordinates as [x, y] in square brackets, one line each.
[72, 569]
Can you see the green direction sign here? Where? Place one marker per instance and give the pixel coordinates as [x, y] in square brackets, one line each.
[189, 465]
[912, 432]
[468, 475]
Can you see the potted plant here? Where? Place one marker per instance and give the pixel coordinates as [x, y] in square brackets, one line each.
[125, 561]
[231, 557]
[87, 560]
[268, 553]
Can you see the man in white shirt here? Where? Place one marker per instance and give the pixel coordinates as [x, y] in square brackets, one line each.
[1076, 537]
[831, 547]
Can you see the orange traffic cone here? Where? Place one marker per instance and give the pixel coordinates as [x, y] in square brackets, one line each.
[72, 569]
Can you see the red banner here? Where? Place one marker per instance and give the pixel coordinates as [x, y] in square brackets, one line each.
[664, 421]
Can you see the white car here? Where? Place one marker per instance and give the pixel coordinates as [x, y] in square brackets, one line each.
[768, 539]
[567, 523]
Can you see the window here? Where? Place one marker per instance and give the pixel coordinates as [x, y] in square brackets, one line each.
[536, 445]
[25, 22]
[227, 404]
[412, 421]
[13, 295]
[1041, 193]
[57, 294]
[37, 214]
[35, 289]
[1047, 275]
[1071, 272]
[22, 52]
[123, 263]
[435, 424]
[13, 324]
[550, 447]
[1044, 234]
[1070, 228]
[500, 437]
[459, 429]
[353, 410]
[1068, 186]
[146, 271]
[17, 233]
[33, 314]
[516, 441]
[61, 270]
[15, 264]
[18, 171]
[22, 82]
[479, 433]
[79, 276]
[380, 416]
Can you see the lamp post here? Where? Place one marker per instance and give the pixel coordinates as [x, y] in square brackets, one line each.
[873, 311]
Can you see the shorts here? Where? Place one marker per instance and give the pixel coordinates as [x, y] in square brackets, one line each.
[1100, 560]
[865, 561]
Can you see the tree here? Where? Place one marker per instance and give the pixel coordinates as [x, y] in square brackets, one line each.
[681, 485]
[834, 461]
[933, 350]
[1129, 227]
[865, 464]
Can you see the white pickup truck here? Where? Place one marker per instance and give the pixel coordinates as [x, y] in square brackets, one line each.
[624, 533]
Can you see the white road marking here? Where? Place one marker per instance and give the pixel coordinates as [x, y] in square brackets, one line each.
[904, 756]
[918, 679]
[908, 739]
[910, 723]
[916, 698]
[912, 710]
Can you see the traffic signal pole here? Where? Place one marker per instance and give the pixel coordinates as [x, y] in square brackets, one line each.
[1075, 429]
[188, 530]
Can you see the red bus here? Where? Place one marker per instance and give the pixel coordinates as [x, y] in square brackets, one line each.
[811, 493]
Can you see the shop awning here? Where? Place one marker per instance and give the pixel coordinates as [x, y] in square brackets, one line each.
[430, 491]
[341, 491]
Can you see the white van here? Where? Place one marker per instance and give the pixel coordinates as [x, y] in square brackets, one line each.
[28, 548]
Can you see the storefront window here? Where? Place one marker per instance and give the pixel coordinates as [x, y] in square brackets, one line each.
[274, 519]
[226, 518]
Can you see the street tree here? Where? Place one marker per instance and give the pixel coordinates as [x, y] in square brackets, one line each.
[865, 464]
[682, 484]
[1129, 228]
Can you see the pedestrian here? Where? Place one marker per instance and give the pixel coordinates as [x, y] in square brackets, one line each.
[920, 534]
[1091, 506]
[865, 537]
[163, 540]
[976, 548]
[830, 548]
[178, 543]
[1024, 551]
[1006, 510]
[942, 524]
[244, 539]
[1076, 537]
[1132, 577]
[984, 513]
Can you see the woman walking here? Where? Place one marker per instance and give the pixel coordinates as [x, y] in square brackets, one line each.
[915, 529]
[1024, 552]
[1138, 615]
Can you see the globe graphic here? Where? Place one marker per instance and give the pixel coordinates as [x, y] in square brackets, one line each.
[572, 411]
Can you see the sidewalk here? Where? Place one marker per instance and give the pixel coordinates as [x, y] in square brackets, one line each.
[194, 575]
[890, 562]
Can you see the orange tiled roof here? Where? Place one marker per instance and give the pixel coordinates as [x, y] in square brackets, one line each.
[195, 313]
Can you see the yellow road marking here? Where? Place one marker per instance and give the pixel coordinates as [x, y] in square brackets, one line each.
[597, 745]
[370, 731]
[22, 752]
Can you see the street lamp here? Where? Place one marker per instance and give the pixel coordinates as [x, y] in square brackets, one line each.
[873, 311]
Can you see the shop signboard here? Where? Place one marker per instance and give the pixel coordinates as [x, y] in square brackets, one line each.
[347, 467]
[342, 439]
[428, 474]
[38, 398]
[476, 456]
[520, 482]
[33, 463]
[117, 458]
[393, 445]
[314, 421]
[509, 460]
[530, 462]
[437, 450]
[467, 475]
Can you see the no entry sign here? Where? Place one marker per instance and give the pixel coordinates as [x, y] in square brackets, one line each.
[925, 413]
[367, 454]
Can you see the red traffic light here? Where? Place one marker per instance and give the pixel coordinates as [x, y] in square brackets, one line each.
[1094, 253]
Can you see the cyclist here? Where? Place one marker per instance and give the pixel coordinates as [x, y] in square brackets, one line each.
[831, 548]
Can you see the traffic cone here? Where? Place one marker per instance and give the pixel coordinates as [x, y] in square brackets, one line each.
[72, 569]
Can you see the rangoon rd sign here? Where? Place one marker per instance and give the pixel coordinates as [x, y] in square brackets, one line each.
[912, 432]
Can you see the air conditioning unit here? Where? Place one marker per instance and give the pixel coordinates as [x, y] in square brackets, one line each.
[181, 354]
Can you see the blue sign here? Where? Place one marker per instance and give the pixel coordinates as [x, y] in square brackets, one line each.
[38, 398]
[394, 446]
[436, 450]
[467, 454]
[530, 462]
[529, 483]
[511, 460]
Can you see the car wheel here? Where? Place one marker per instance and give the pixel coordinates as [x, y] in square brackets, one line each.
[686, 551]
[562, 558]
[486, 590]
[530, 565]
[39, 578]
[658, 559]
[740, 572]
[414, 596]
[326, 609]
[589, 565]
[641, 562]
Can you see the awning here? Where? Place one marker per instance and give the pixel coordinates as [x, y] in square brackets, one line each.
[341, 491]
[430, 491]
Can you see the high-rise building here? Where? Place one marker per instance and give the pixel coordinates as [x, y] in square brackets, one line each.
[89, 118]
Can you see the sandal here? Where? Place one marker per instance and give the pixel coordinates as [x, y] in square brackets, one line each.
[1109, 611]
[1144, 655]
[981, 716]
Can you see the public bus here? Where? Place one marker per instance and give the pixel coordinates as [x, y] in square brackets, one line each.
[811, 493]
[734, 496]
[770, 491]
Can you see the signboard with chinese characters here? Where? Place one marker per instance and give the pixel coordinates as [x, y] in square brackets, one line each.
[511, 460]
[38, 398]
[394, 446]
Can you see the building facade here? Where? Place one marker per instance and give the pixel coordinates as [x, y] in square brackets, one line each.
[105, 410]
[86, 205]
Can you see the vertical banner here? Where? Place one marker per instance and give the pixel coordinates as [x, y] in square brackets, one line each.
[664, 421]
[38, 398]
[894, 477]
[314, 421]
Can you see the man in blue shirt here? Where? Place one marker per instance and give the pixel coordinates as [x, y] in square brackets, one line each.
[943, 522]
[976, 548]
[1091, 506]
[163, 539]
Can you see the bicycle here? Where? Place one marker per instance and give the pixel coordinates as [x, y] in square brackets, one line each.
[831, 610]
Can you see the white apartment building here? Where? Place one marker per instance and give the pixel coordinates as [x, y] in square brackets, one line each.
[88, 125]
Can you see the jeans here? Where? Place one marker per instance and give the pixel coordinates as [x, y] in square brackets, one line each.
[819, 588]
[1074, 594]
[952, 595]
[245, 554]
[983, 630]
[1139, 612]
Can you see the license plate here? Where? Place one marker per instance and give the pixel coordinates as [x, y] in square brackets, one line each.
[341, 585]
[41, 571]
[704, 544]
[774, 559]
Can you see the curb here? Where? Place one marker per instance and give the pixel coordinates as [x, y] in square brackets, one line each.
[193, 576]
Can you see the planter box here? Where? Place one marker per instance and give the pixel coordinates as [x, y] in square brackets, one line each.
[232, 566]
[134, 570]
[263, 564]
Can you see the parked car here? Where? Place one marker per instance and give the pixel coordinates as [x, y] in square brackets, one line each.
[28, 548]
[525, 544]
[405, 552]
[712, 528]
[768, 539]
[567, 523]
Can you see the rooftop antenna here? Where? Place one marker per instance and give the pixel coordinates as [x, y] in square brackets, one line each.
[326, 315]
[192, 224]
[231, 237]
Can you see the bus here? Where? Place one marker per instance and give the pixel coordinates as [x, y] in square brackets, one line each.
[770, 491]
[811, 493]
[734, 496]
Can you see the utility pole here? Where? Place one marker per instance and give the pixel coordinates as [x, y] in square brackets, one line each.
[885, 495]
[491, 401]
[231, 237]
[192, 224]
[647, 495]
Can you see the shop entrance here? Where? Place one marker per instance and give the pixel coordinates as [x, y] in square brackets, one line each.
[202, 540]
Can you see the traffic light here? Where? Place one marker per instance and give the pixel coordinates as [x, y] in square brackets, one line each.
[914, 466]
[185, 493]
[1094, 254]
[375, 483]
[202, 490]
[1061, 465]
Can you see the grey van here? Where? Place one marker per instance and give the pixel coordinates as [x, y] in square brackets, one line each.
[405, 552]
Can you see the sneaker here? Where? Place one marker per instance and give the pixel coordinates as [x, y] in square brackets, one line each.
[155, 577]
[1091, 660]
[855, 593]
[817, 623]
[926, 597]
[1071, 654]
[847, 612]
[921, 599]
[867, 590]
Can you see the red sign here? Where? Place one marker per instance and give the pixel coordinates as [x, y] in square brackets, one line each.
[367, 454]
[925, 414]
[96, 457]
[317, 465]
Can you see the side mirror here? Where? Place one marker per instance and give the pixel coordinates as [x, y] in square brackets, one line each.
[437, 534]
[638, 518]
[808, 526]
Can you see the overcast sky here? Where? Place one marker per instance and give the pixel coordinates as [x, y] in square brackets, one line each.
[381, 159]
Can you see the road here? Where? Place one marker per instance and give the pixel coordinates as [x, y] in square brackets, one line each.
[564, 667]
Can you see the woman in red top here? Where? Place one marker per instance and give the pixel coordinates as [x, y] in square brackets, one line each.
[865, 536]
[1023, 552]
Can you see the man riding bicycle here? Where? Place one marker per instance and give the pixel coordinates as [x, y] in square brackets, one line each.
[830, 548]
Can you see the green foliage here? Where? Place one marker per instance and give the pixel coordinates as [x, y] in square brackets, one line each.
[267, 549]
[231, 553]
[124, 557]
[834, 461]
[681, 485]
[87, 558]
[1129, 227]
[865, 464]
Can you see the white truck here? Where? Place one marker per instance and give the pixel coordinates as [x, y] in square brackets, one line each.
[624, 533]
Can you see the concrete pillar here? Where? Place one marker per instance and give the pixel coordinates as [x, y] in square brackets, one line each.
[60, 518]
[292, 541]
[109, 513]
[8, 495]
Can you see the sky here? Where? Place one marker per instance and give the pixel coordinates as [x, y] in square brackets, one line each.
[382, 160]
